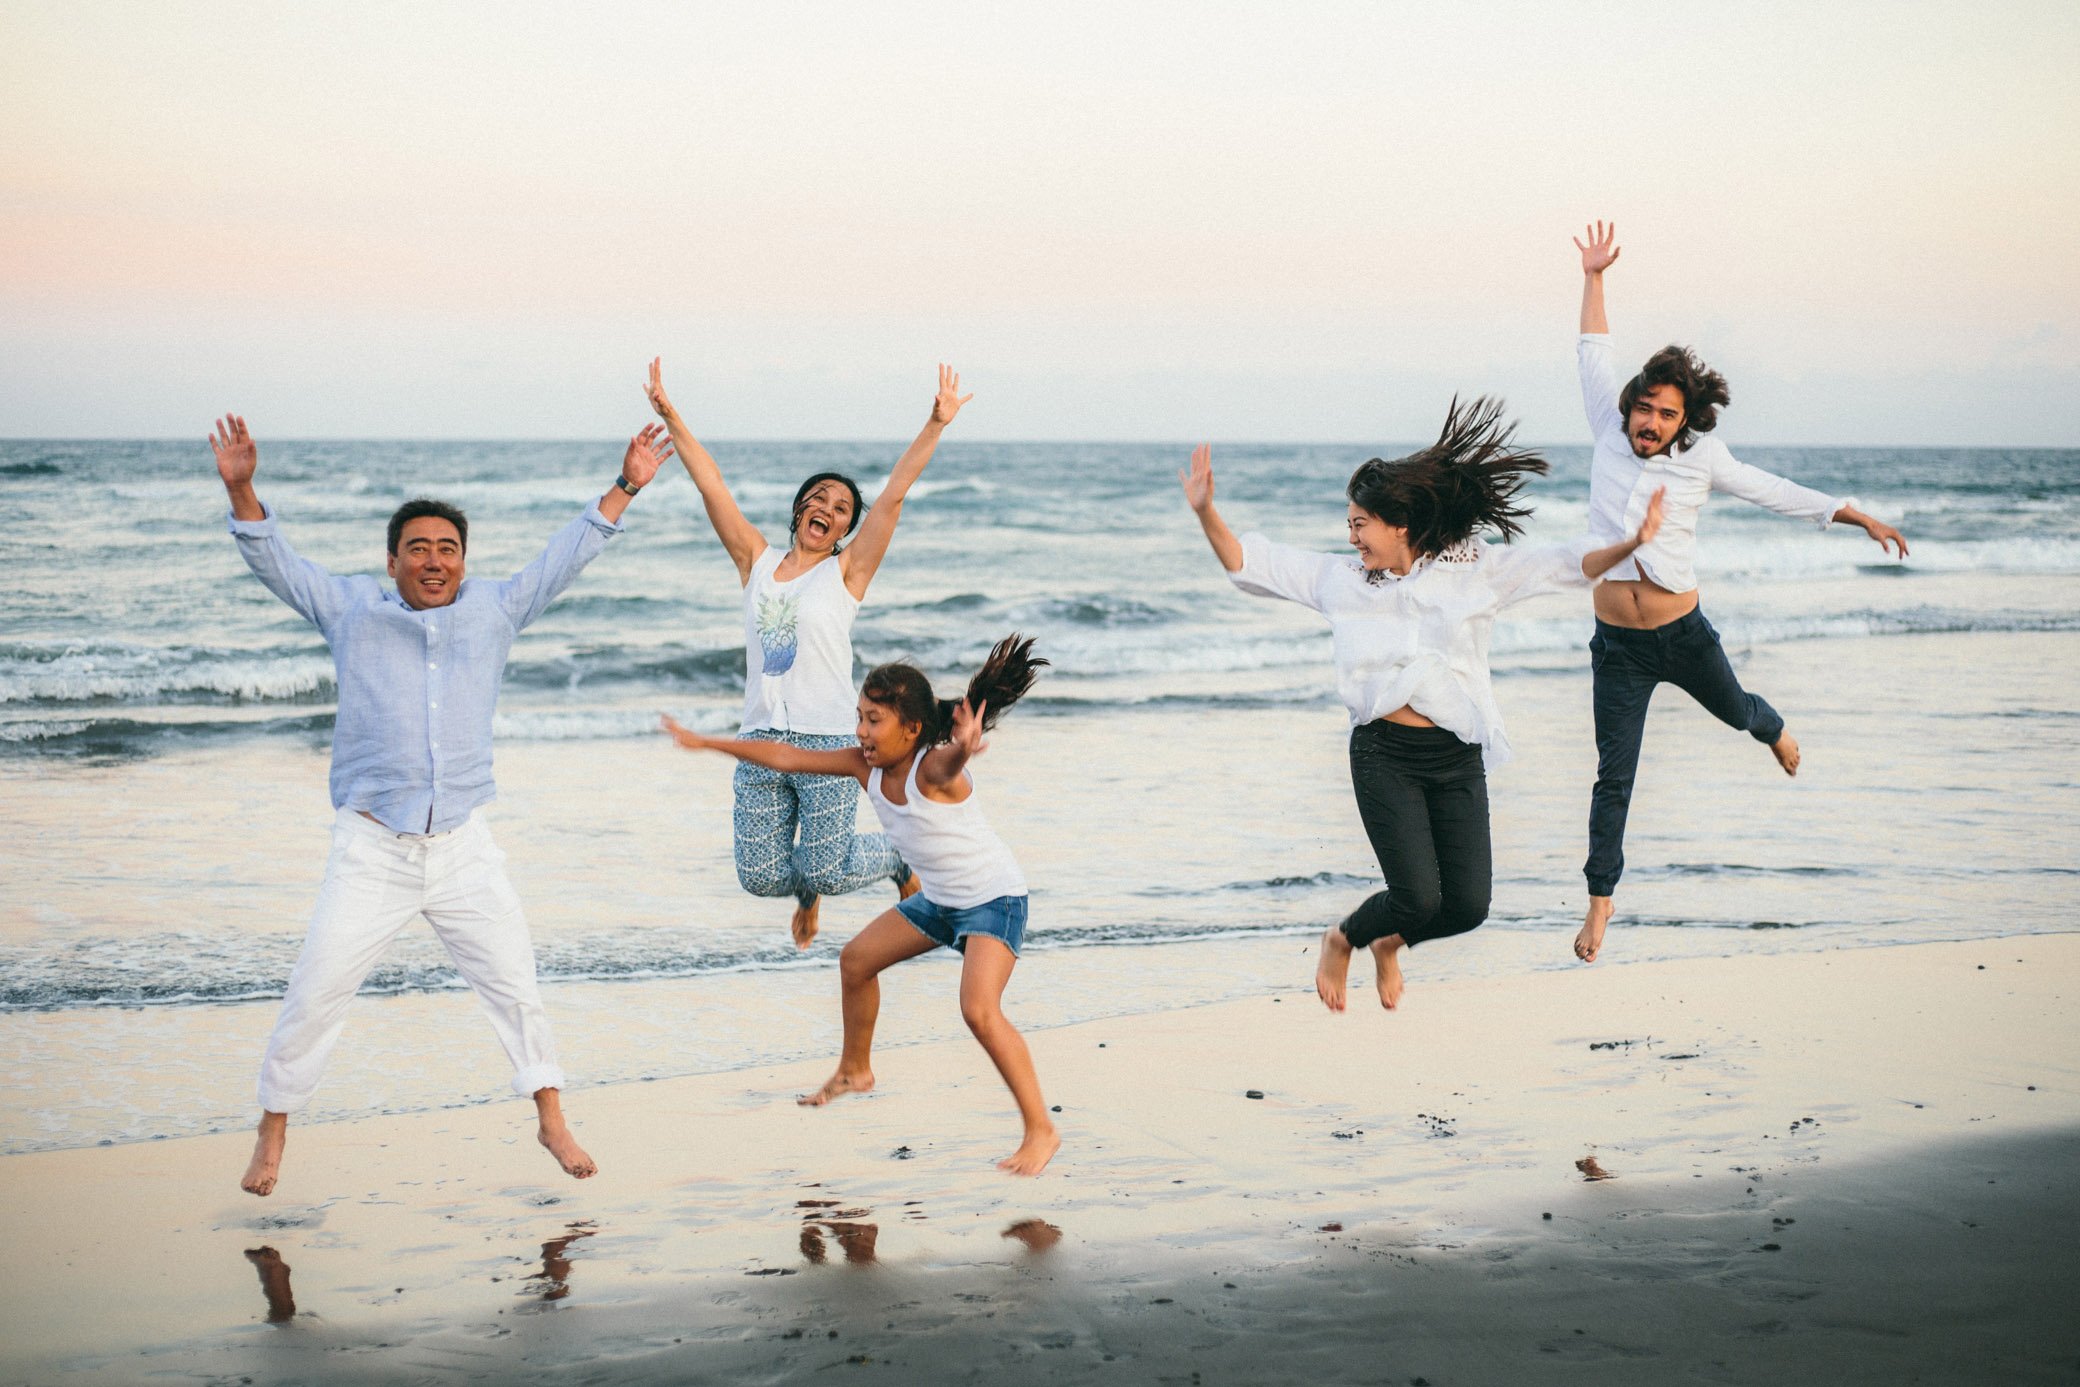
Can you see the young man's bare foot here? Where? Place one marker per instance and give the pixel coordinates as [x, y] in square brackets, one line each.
[266, 1166]
[1033, 1153]
[837, 1086]
[1386, 967]
[555, 1136]
[909, 887]
[803, 925]
[1333, 968]
[1589, 942]
[1785, 749]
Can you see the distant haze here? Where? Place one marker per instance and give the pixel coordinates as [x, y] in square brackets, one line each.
[1122, 221]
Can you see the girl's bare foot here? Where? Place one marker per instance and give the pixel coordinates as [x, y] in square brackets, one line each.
[837, 1086]
[1589, 942]
[909, 887]
[803, 925]
[1386, 966]
[1785, 749]
[1333, 968]
[564, 1147]
[1033, 1153]
[266, 1166]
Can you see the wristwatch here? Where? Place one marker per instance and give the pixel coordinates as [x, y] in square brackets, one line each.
[626, 485]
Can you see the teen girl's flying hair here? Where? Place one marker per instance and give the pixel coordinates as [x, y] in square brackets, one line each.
[1465, 482]
[1003, 679]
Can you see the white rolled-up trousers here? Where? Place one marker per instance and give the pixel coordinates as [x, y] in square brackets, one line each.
[376, 883]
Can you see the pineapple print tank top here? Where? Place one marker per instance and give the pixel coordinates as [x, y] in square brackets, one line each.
[798, 649]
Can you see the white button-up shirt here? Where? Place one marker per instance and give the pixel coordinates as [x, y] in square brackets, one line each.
[1621, 483]
[1421, 640]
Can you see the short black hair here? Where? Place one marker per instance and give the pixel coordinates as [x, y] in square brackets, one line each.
[422, 507]
[1703, 389]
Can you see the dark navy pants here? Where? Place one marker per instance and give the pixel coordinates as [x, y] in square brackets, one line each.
[1424, 799]
[1628, 665]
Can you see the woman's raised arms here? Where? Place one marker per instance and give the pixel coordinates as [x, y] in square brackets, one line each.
[738, 535]
[865, 553]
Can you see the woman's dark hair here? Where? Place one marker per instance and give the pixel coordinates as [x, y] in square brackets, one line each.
[801, 494]
[1703, 390]
[421, 508]
[1465, 482]
[1003, 679]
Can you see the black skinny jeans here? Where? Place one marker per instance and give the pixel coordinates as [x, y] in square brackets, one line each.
[1629, 664]
[1424, 799]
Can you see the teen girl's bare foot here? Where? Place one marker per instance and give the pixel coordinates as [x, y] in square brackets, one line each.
[1333, 968]
[1785, 749]
[1033, 1153]
[1386, 967]
[837, 1086]
[1589, 942]
[910, 886]
[266, 1166]
[803, 925]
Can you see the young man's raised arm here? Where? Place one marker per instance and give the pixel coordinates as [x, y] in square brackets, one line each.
[1599, 377]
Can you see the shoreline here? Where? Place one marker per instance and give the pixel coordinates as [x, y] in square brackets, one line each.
[1846, 1106]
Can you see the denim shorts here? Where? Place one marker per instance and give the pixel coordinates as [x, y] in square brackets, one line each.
[1003, 919]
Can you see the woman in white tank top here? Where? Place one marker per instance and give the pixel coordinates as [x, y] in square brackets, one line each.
[911, 752]
[794, 833]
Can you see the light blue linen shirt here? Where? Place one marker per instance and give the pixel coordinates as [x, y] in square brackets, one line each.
[412, 742]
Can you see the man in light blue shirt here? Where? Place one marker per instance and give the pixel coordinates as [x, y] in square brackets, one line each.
[418, 670]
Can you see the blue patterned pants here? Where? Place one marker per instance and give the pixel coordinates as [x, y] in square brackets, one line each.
[827, 858]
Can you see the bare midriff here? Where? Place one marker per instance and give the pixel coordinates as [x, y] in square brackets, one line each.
[1640, 605]
[1407, 717]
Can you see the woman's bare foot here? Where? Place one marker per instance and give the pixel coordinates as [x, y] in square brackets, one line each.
[1333, 968]
[1589, 942]
[803, 925]
[837, 1086]
[266, 1166]
[910, 886]
[1033, 1153]
[1785, 749]
[1386, 967]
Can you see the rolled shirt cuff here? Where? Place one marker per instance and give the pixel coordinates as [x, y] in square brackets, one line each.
[598, 520]
[1835, 508]
[252, 529]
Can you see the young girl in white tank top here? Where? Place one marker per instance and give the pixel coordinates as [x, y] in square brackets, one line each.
[912, 754]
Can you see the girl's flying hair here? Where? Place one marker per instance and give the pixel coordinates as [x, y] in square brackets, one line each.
[1003, 679]
[1465, 482]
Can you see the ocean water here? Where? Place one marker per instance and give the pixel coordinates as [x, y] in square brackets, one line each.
[1176, 779]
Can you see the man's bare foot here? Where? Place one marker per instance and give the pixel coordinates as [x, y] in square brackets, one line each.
[837, 1086]
[1333, 967]
[1386, 967]
[803, 925]
[1785, 749]
[266, 1166]
[1033, 1153]
[274, 1283]
[909, 887]
[564, 1147]
[1589, 942]
[1036, 1233]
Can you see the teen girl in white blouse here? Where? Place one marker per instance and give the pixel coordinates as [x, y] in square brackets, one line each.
[1409, 619]
[794, 833]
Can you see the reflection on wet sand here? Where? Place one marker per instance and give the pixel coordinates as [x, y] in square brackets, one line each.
[274, 1283]
[556, 1267]
[856, 1238]
[1036, 1233]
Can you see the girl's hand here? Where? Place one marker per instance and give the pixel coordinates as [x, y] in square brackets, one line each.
[1602, 251]
[949, 400]
[659, 401]
[967, 730]
[1198, 483]
[1886, 536]
[1650, 524]
[685, 736]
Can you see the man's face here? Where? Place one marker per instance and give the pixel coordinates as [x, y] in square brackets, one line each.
[1656, 419]
[427, 566]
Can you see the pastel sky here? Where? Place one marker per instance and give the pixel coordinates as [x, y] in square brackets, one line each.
[1120, 220]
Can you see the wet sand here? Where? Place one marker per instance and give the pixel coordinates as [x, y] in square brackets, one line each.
[1860, 1165]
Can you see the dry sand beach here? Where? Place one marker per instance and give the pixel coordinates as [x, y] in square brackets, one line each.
[1859, 1164]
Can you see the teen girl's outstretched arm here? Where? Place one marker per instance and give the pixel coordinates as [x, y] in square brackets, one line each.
[738, 535]
[1598, 562]
[776, 756]
[865, 553]
[1198, 494]
[939, 774]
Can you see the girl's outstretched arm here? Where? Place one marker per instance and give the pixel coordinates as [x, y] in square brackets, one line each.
[776, 756]
[1198, 494]
[939, 774]
[1598, 562]
[865, 553]
[738, 535]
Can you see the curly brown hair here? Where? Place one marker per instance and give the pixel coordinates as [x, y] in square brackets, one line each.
[1703, 390]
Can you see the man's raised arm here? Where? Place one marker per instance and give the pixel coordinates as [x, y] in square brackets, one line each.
[528, 593]
[314, 593]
